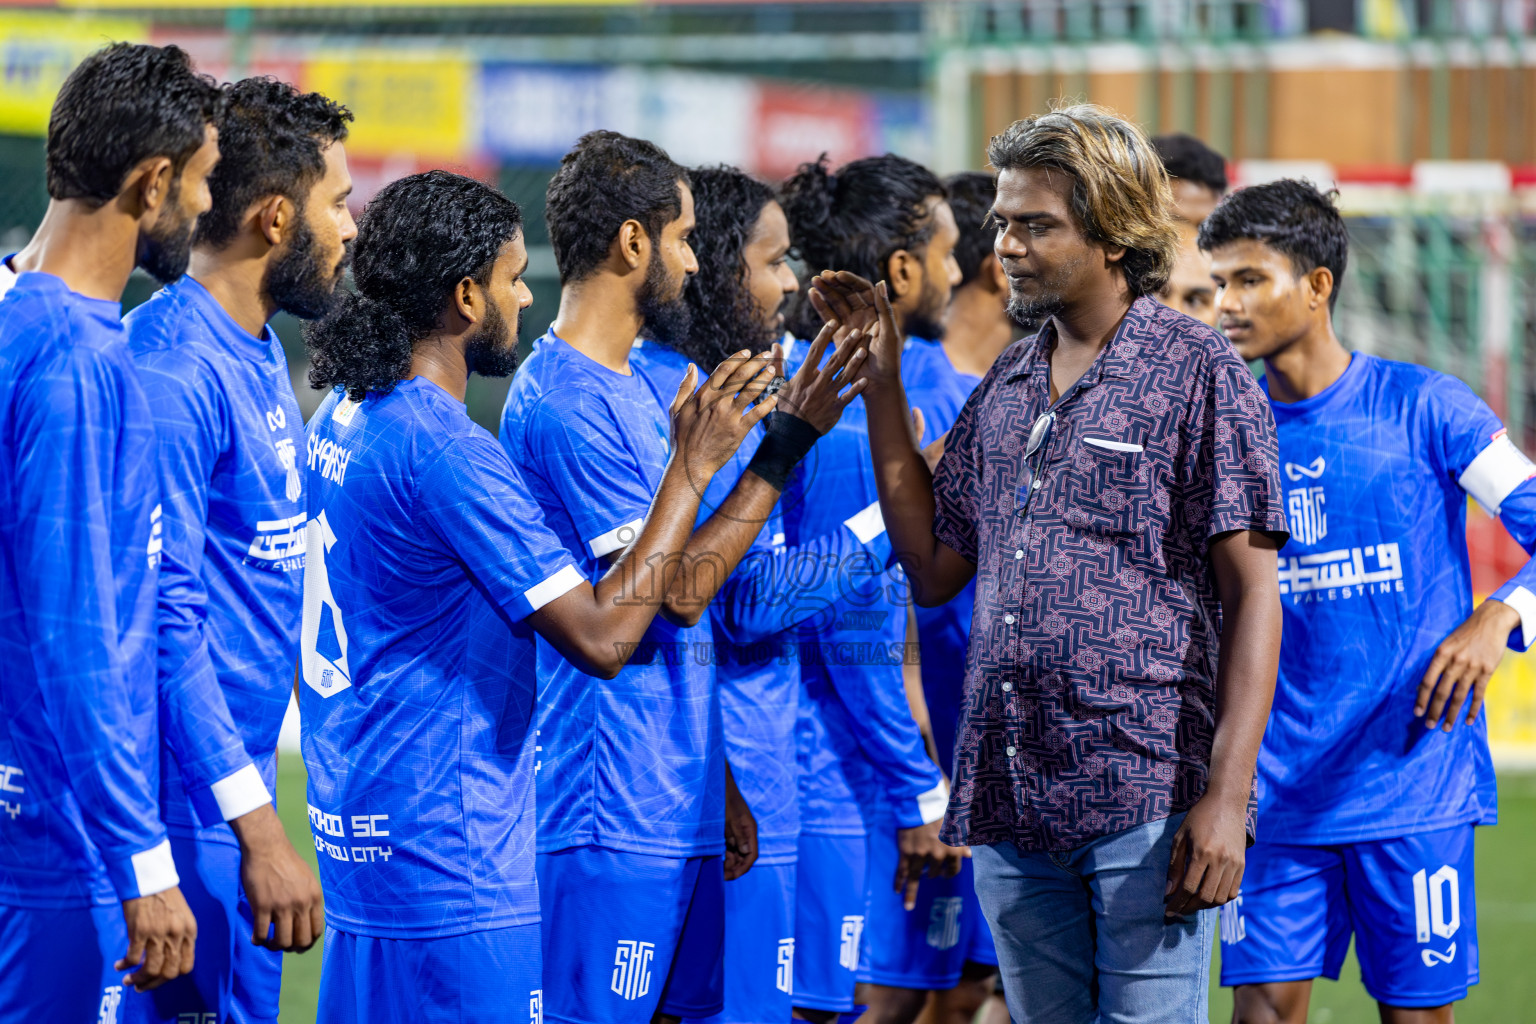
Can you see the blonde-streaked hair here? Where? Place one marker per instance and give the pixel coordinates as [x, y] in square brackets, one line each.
[1120, 192]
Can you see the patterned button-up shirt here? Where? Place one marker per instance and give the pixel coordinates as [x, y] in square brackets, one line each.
[1090, 680]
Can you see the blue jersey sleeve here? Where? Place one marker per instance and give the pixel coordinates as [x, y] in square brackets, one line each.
[578, 450]
[68, 430]
[1471, 444]
[192, 429]
[478, 507]
[775, 588]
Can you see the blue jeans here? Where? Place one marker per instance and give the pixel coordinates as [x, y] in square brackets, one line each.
[1081, 938]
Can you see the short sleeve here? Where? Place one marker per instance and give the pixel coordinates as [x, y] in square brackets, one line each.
[1239, 457]
[476, 503]
[581, 453]
[957, 479]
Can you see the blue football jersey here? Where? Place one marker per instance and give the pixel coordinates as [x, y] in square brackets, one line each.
[1377, 470]
[756, 656]
[79, 559]
[857, 744]
[634, 763]
[424, 555]
[232, 569]
[944, 633]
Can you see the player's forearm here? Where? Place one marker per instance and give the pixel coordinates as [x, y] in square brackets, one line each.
[631, 593]
[905, 487]
[1249, 660]
[717, 548]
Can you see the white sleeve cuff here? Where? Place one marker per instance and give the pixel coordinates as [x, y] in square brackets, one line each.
[866, 524]
[616, 539]
[154, 870]
[1496, 472]
[932, 804]
[1524, 602]
[558, 585]
[240, 793]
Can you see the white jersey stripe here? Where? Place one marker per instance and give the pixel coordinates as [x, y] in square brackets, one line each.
[616, 539]
[558, 585]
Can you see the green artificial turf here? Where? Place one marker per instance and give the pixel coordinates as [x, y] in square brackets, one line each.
[1506, 911]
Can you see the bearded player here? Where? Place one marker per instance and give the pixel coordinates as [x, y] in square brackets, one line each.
[430, 570]
[741, 240]
[232, 570]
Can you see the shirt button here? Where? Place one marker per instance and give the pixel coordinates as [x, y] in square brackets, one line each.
[1018, 554]
[1008, 619]
[1007, 687]
[1012, 750]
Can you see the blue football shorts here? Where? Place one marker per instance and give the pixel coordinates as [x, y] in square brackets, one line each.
[1409, 903]
[759, 947]
[830, 910]
[56, 964]
[626, 933]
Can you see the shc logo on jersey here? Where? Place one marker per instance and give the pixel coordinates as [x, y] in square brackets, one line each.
[944, 922]
[1304, 508]
[288, 458]
[784, 980]
[8, 775]
[632, 968]
[848, 951]
[1437, 910]
[1304, 505]
[156, 538]
[111, 999]
[536, 1006]
[1233, 930]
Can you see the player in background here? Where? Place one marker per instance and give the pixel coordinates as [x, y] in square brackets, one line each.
[88, 886]
[741, 241]
[943, 945]
[1198, 176]
[429, 569]
[636, 800]
[1375, 767]
[866, 774]
[232, 561]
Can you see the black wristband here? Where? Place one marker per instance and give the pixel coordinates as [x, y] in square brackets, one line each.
[785, 442]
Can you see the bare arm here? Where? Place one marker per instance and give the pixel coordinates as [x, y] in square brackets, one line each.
[594, 627]
[905, 483]
[1209, 850]
[816, 396]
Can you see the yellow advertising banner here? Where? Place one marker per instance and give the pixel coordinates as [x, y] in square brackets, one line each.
[404, 101]
[309, 4]
[39, 50]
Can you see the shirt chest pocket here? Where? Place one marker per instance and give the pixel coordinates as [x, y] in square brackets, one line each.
[1105, 484]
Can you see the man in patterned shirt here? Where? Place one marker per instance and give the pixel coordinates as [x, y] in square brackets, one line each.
[1111, 486]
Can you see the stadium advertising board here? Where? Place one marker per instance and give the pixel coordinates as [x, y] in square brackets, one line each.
[39, 50]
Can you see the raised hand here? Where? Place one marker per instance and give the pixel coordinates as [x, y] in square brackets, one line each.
[815, 393]
[853, 303]
[708, 424]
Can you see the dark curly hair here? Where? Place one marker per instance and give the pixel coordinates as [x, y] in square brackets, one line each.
[1185, 156]
[272, 141]
[124, 104]
[856, 219]
[727, 205]
[605, 180]
[1120, 193]
[1292, 217]
[416, 240]
[971, 195]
